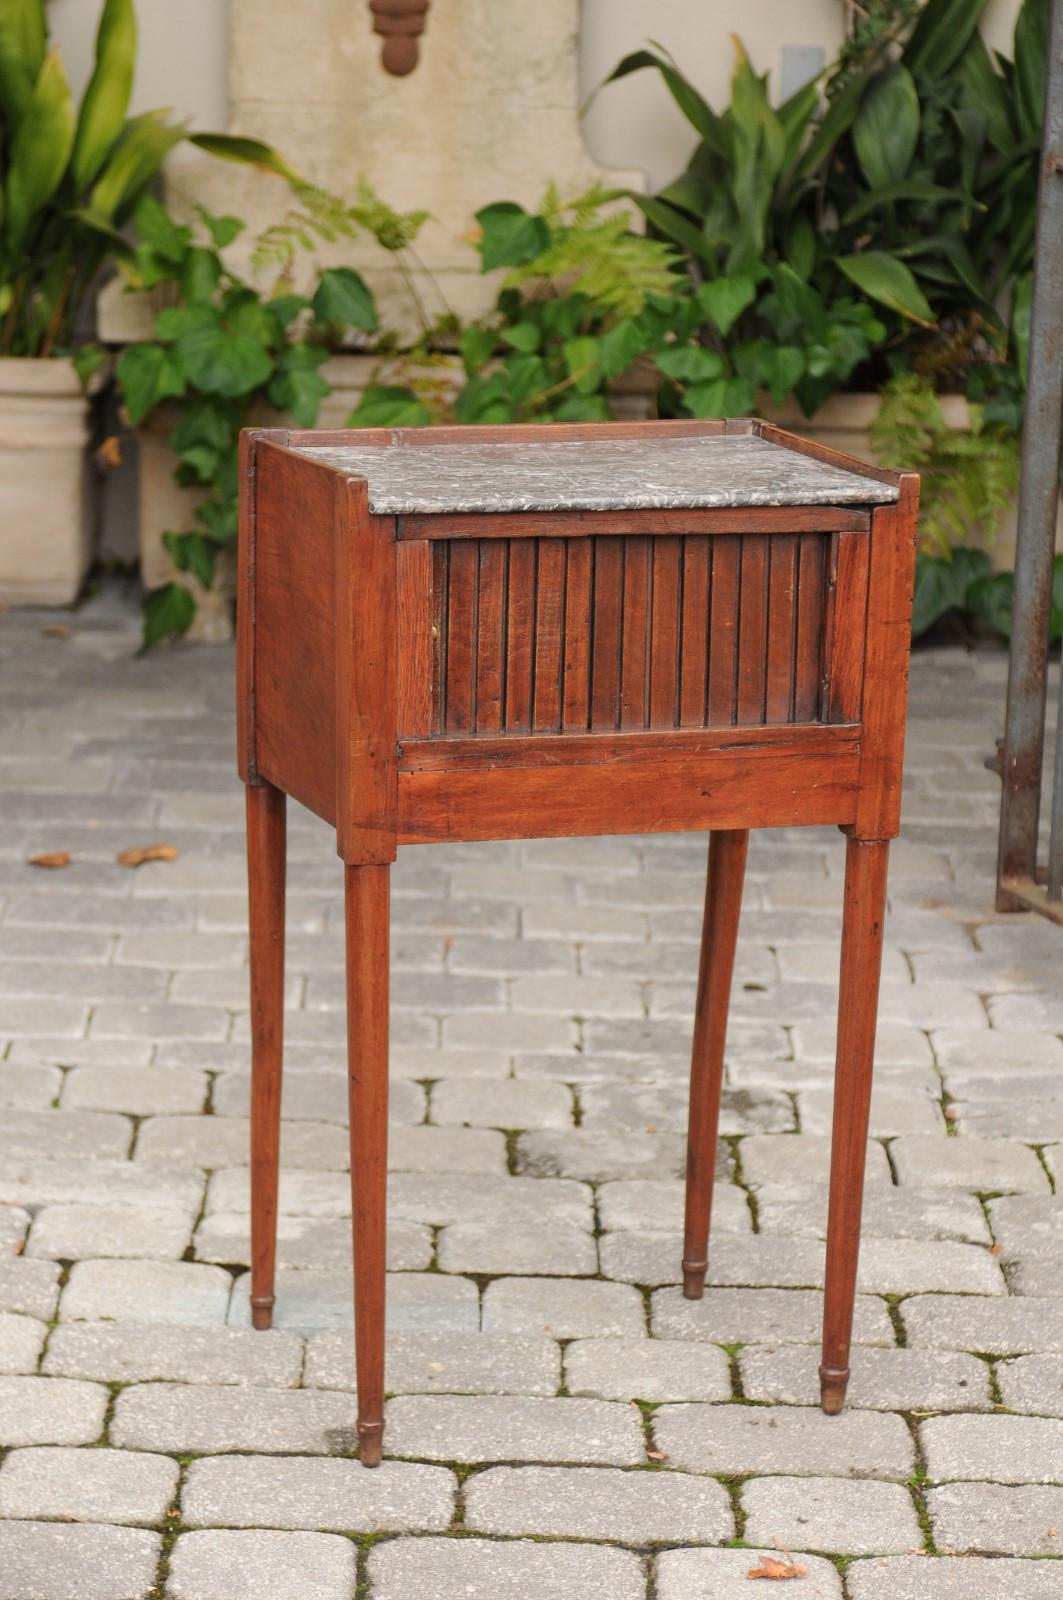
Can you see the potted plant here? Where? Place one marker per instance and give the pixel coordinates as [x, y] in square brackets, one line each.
[70, 176]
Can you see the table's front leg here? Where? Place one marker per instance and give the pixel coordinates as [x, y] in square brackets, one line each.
[367, 906]
[266, 849]
[861, 963]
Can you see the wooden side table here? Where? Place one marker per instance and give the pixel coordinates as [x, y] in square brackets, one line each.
[516, 632]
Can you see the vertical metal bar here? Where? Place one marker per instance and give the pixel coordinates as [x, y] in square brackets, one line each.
[1024, 733]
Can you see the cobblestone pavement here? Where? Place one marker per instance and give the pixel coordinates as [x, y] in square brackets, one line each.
[562, 1422]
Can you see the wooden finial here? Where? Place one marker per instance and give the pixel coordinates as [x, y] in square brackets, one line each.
[401, 23]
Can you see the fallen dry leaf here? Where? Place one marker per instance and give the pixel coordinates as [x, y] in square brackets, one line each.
[772, 1567]
[56, 858]
[657, 1455]
[20, 1245]
[997, 1248]
[951, 1113]
[57, 630]
[137, 856]
[110, 452]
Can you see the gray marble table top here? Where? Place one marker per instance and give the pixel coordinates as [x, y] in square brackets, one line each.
[597, 475]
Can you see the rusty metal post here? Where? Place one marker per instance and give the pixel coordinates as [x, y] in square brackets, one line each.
[1024, 731]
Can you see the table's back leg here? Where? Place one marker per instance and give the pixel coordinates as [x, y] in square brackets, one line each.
[861, 962]
[265, 885]
[367, 917]
[723, 904]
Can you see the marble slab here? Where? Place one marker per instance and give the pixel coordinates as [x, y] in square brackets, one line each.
[597, 475]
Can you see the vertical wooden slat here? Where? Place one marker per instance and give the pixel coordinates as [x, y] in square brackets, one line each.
[635, 633]
[752, 629]
[808, 646]
[782, 584]
[577, 648]
[605, 646]
[520, 634]
[415, 638]
[848, 626]
[549, 624]
[664, 633]
[723, 631]
[490, 634]
[694, 645]
[440, 573]
[461, 636]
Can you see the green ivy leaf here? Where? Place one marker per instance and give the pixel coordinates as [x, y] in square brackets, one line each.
[191, 552]
[477, 346]
[220, 359]
[618, 348]
[148, 373]
[167, 610]
[158, 229]
[724, 299]
[582, 408]
[690, 363]
[284, 308]
[726, 397]
[222, 230]
[523, 336]
[200, 272]
[298, 386]
[582, 364]
[784, 366]
[510, 235]
[383, 406]
[342, 296]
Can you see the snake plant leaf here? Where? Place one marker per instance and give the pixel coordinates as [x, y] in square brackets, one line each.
[674, 225]
[40, 151]
[889, 281]
[702, 118]
[886, 128]
[22, 46]
[103, 110]
[248, 152]
[942, 34]
[983, 88]
[836, 121]
[1031, 53]
[132, 163]
[905, 189]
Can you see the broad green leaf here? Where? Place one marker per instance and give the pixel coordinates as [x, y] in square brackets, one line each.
[154, 224]
[618, 348]
[222, 230]
[582, 364]
[890, 282]
[200, 271]
[299, 390]
[1021, 307]
[148, 373]
[795, 116]
[22, 46]
[385, 406]
[674, 225]
[40, 150]
[1031, 55]
[247, 152]
[192, 552]
[724, 299]
[342, 296]
[87, 360]
[220, 359]
[941, 35]
[477, 346]
[690, 363]
[836, 121]
[784, 367]
[991, 599]
[983, 88]
[106, 99]
[940, 586]
[582, 408]
[284, 308]
[886, 128]
[905, 189]
[168, 610]
[521, 336]
[725, 397]
[511, 236]
[202, 422]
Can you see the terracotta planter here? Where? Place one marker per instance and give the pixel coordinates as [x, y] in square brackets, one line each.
[844, 424]
[46, 482]
[165, 506]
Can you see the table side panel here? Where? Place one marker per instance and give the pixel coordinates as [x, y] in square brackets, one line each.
[293, 585]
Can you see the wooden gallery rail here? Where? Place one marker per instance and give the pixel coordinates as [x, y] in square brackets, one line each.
[515, 632]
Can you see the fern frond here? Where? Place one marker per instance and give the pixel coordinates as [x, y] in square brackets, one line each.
[598, 256]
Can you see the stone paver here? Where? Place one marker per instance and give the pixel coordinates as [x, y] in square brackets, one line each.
[1033, 1384]
[87, 1485]
[216, 1565]
[952, 1578]
[795, 1439]
[565, 1309]
[830, 1514]
[444, 1363]
[169, 1292]
[517, 1428]
[72, 1232]
[50, 1411]
[21, 1342]
[992, 1518]
[199, 1418]
[724, 1575]
[996, 1326]
[982, 1164]
[129, 1353]
[311, 1493]
[598, 1503]
[49, 1561]
[483, 1569]
[308, 1302]
[736, 1316]
[881, 1380]
[653, 1370]
[482, 1248]
[1001, 1449]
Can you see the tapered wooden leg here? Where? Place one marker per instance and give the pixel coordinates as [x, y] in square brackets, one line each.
[723, 904]
[367, 915]
[265, 885]
[862, 924]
